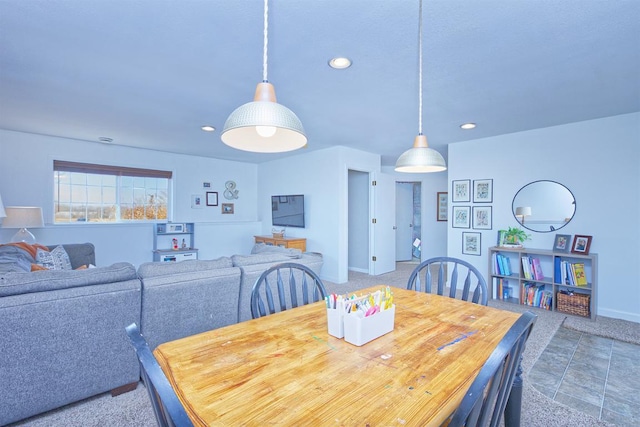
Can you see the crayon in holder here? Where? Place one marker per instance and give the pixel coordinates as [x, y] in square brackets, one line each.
[360, 330]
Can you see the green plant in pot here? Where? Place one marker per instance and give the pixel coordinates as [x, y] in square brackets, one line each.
[516, 236]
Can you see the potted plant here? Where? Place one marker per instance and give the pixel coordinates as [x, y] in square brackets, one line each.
[515, 237]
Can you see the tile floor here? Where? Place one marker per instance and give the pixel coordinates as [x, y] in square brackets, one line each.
[595, 375]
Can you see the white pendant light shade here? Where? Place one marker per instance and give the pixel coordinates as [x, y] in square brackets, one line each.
[420, 158]
[264, 126]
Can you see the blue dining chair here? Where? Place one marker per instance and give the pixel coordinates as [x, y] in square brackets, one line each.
[167, 407]
[493, 389]
[422, 279]
[293, 284]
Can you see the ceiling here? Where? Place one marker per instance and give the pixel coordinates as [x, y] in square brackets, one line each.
[150, 73]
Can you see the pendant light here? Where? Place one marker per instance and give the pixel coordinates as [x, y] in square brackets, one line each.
[420, 158]
[264, 126]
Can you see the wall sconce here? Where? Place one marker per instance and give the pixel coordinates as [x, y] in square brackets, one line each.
[22, 217]
[522, 212]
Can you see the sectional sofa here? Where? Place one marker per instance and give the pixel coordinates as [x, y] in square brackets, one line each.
[63, 331]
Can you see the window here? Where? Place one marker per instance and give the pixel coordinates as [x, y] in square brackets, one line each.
[99, 193]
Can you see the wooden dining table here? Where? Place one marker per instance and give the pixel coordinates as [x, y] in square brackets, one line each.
[285, 369]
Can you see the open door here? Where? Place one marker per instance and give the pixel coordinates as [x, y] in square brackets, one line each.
[383, 227]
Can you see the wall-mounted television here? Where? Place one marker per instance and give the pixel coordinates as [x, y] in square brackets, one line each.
[287, 211]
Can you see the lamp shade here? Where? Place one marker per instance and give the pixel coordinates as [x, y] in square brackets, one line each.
[264, 126]
[2, 211]
[420, 158]
[23, 217]
[523, 211]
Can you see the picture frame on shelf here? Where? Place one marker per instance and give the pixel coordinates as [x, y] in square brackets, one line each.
[471, 243]
[562, 243]
[460, 191]
[442, 209]
[196, 201]
[482, 190]
[227, 208]
[212, 198]
[482, 217]
[461, 217]
[581, 244]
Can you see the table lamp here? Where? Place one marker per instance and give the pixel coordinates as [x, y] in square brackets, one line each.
[523, 211]
[22, 217]
[3, 214]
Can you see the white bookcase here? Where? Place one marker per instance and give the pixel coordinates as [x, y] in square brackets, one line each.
[555, 287]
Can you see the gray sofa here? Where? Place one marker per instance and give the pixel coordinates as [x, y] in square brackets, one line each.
[64, 334]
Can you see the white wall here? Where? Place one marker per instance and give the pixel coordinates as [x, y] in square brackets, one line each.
[26, 179]
[599, 161]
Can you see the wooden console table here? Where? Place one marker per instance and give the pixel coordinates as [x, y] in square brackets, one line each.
[286, 242]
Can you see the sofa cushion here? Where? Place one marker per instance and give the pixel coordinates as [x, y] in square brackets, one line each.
[79, 253]
[57, 259]
[153, 269]
[261, 248]
[40, 281]
[262, 258]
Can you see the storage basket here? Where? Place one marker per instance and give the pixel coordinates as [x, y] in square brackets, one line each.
[278, 235]
[577, 304]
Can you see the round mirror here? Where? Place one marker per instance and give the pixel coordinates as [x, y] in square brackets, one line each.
[543, 206]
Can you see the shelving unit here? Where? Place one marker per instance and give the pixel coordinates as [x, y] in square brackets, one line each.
[550, 287]
[163, 235]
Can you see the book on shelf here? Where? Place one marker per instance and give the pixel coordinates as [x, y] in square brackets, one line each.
[537, 269]
[580, 277]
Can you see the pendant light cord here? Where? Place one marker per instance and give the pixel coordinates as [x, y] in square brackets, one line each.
[420, 71]
[266, 40]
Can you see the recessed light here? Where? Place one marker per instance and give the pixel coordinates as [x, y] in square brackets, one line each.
[340, 63]
[208, 128]
[467, 126]
[105, 140]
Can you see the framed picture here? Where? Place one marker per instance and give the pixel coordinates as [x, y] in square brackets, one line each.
[461, 217]
[196, 201]
[212, 198]
[283, 199]
[460, 190]
[482, 190]
[581, 244]
[482, 217]
[471, 243]
[441, 206]
[562, 243]
[227, 208]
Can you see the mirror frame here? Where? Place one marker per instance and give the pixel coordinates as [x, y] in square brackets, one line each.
[552, 228]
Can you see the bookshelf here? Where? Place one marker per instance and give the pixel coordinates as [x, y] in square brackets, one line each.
[562, 282]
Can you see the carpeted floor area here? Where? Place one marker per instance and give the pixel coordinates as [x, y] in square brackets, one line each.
[134, 409]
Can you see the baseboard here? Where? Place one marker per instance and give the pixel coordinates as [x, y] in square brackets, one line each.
[616, 314]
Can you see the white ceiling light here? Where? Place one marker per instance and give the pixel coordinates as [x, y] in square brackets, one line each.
[208, 128]
[340, 63]
[264, 126]
[467, 126]
[420, 158]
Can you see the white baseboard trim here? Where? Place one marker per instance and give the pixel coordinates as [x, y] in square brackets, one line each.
[617, 314]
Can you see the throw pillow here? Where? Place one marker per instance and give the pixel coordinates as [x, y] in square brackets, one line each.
[57, 259]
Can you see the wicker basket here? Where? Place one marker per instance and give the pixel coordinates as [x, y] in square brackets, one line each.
[577, 304]
[278, 235]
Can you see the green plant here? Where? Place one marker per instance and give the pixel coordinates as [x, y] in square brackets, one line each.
[516, 235]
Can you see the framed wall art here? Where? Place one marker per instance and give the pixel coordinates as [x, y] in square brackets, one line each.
[212, 198]
[471, 243]
[482, 190]
[562, 243]
[581, 244]
[460, 191]
[482, 217]
[442, 208]
[461, 217]
[196, 201]
[227, 208]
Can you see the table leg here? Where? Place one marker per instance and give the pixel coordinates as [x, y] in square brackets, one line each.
[514, 403]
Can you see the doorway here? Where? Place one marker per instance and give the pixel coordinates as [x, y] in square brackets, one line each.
[358, 221]
[408, 221]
